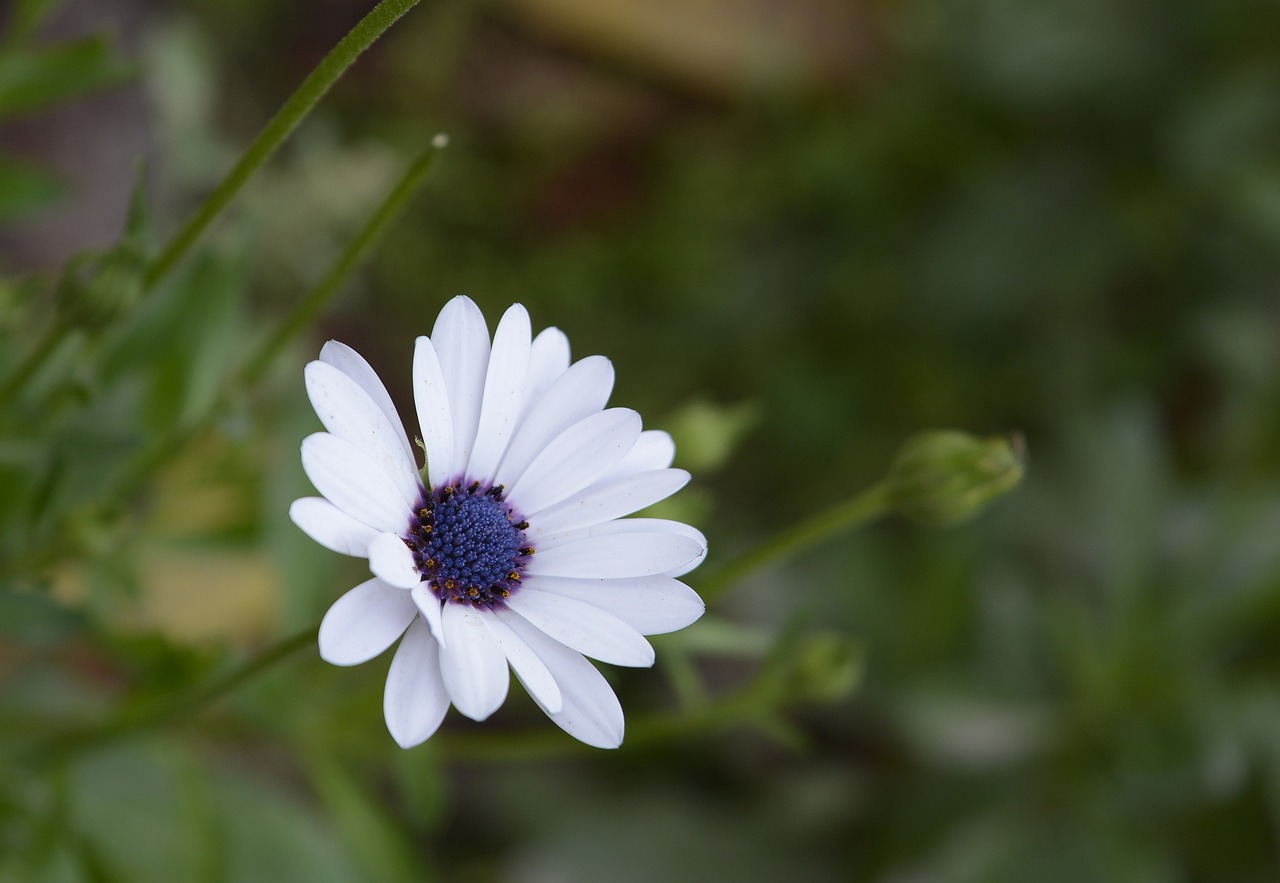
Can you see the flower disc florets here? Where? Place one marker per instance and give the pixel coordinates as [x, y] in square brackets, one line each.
[468, 544]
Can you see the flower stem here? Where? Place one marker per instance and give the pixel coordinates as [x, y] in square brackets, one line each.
[176, 707]
[293, 112]
[748, 706]
[356, 251]
[852, 513]
[44, 348]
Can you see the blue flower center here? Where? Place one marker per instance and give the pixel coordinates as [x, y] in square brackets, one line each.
[467, 543]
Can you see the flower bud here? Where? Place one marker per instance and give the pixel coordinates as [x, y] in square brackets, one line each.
[96, 291]
[944, 477]
[825, 667]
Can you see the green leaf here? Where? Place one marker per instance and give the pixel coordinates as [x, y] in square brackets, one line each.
[134, 808]
[25, 188]
[181, 341]
[370, 832]
[32, 78]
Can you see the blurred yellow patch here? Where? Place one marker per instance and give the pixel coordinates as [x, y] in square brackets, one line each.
[192, 596]
[714, 46]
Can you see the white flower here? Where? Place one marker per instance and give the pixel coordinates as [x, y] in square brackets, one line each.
[516, 552]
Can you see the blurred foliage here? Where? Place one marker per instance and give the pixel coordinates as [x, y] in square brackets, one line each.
[1062, 218]
[34, 74]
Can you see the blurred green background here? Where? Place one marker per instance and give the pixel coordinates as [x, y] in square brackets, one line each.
[802, 231]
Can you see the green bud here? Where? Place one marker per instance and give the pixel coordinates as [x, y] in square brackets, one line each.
[825, 667]
[944, 477]
[97, 289]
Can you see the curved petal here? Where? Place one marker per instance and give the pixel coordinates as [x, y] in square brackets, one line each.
[391, 561]
[435, 420]
[331, 527]
[634, 526]
[429, 606]
[352, 364]
[503, 393]
[652, 605]
[548, 359]
[583, 627]
[461, 341]
[414, 701]
[590, 711]
[576, 458]
[579, 392]
[531, 670]
[654, 449]
[364, 622]
[347, 479]
[606, 500]
[346, 411]
[617, 556]
[472, 663]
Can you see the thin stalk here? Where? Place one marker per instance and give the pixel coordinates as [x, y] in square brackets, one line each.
[52, 338]
[177, 707]
[852, 513]
[744, 707]
[356, 250]
[293, 112]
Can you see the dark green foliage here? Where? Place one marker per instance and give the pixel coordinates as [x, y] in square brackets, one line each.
[1059, 218]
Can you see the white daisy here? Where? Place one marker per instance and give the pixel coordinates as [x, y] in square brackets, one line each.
[515, 551]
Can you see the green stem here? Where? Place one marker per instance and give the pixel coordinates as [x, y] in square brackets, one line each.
[293, 112]
[177, 707]
[356, 251]
[855, 512]
[53, 337]
[747, 706]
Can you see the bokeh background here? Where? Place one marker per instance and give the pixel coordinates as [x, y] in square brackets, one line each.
[802, 231]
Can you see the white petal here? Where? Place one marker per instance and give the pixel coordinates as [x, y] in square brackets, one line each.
[414, 701]
[606, 500]
[472, 662]
[579, 392]
[616, 557]
[352, 364]
[435, 420]
[346, 411]
[654, 449]
[391, 561]
[461, 340]
[331, 527]
[576, 458]
[652, 605]
[548, 359]
[695, 535]
[582, 627]
[348, 480]
[503, 392]
[624, 526]
[633, 526]
[531, 670]
[590, 712]
[429, 606]
[364, 622]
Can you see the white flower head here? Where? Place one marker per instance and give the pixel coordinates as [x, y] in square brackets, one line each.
[514, 552]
